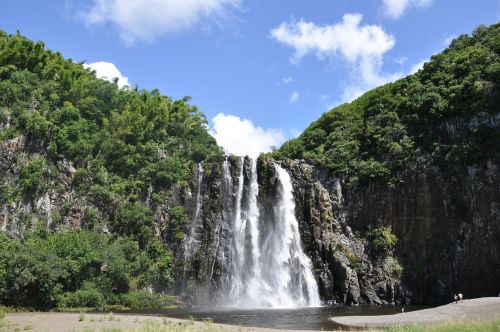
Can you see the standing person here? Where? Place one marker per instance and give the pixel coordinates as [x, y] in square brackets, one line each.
[460, 296]
[455, 297]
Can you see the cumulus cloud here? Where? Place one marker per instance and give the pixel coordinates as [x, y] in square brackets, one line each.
[242, 137]
[146, 20]
[294, 97]
[108, 71]
[361, 46]
[396, 8]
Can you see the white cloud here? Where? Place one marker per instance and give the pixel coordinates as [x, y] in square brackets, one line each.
[295, 132]
[294, 97]
[416, 67]
[401, 60]
[361, 46]
[448, 40]
[147, 20]
[396, 8]
[108, 71]
[287, 80]
[242, 137]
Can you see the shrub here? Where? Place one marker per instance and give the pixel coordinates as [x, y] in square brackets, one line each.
[83, 298]
[146, 300]
[391, 265]
[34, 176]
[383, 239]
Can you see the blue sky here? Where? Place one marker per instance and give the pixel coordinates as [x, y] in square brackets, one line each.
[260, 70]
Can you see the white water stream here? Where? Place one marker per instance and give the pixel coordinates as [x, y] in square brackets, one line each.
[266, 267]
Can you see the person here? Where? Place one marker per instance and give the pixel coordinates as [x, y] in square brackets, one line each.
[455, 297]
[460, 296]
[403, 310]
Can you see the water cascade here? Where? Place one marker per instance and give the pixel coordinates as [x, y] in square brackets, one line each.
[266, 266]
[191, 241]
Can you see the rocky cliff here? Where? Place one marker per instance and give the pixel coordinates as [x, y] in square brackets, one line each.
[446, 222]
[346, 268]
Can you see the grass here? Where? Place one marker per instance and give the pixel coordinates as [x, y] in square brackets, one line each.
[169, 326]
[465, 326]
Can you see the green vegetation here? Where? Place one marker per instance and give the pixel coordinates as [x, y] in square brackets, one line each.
[82, 269]
[414, 121]
[128, 150]
[392, 266]
[466, 326]
[122, 142]
[382, 239]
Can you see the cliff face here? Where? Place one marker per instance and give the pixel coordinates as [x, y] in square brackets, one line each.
[446, 222]
[346, 269]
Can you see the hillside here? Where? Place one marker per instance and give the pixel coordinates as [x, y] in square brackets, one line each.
[78, 153]
[416, 121]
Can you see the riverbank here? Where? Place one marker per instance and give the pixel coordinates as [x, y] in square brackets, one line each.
[485, 309]
[73, 322]
[441, 318]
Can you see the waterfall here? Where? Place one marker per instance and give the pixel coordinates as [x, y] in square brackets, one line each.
[191, 241]
[294, 277]
[267, 266]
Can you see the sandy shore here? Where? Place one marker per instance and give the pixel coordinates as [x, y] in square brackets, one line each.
[482, 309]
[66, 322]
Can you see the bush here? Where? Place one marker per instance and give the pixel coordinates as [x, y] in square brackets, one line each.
[88, 298]
[391, 265]
[80, 269]
[34, 176]
[383, 240]
[145, 300]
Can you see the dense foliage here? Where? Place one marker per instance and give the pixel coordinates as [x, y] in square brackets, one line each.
[79, 269]
[412, 121]
[122, 152]
[122, 141]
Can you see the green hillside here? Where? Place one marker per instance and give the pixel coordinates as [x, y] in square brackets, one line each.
[126, 147]
[406, 123]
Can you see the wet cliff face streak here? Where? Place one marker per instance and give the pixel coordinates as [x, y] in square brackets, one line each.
[265, 266]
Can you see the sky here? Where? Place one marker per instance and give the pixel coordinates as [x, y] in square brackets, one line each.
[261, 71]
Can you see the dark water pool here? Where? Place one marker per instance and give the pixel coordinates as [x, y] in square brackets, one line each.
[298, 319]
